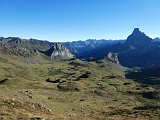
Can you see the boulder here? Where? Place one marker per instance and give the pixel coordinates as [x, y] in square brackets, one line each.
[84, 75]
[3, 81]
[68, 86]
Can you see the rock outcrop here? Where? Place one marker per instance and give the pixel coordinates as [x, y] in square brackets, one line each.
[59, 52]
[113, 57]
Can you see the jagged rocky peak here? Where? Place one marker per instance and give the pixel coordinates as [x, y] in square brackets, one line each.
[59, 52]
[138, 39]
[113, 57]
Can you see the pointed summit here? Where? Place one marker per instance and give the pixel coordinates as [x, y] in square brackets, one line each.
[138, 39]
[136, 29]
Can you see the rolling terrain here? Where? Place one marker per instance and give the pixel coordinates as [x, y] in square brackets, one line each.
[42, 88]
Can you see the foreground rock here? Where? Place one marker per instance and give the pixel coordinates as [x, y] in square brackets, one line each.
[84, 75]
[68, 86]
[3, 81]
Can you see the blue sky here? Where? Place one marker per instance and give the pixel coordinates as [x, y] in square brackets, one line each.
[68, 20]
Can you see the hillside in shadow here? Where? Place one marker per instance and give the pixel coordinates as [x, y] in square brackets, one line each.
[149, 76]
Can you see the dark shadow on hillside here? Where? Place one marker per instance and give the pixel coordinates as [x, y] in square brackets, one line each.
[3, 81]
[149, 76]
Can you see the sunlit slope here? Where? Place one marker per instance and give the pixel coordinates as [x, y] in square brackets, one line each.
[40, 88]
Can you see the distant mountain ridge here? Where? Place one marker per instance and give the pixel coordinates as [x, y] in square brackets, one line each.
[76, 47]
[27, 43]
[138, 50]
[79, 47]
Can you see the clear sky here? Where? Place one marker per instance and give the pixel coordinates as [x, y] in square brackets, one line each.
[68, 20]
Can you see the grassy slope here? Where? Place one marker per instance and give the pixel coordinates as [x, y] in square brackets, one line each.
[105, 94]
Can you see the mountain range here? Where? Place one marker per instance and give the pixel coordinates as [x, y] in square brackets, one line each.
[138, 50]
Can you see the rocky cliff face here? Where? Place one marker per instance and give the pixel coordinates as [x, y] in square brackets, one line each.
[113, 57]
[59, 52]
